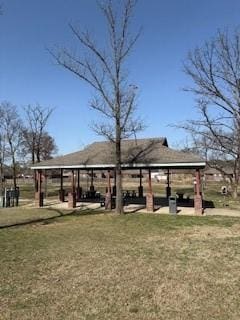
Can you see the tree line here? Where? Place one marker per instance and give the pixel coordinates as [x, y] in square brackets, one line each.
[24, 138]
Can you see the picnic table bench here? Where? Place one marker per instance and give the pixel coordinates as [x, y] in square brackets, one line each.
[180, 196]
[129, 193]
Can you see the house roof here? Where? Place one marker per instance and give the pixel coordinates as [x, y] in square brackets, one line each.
[136, 153]
[220, 170]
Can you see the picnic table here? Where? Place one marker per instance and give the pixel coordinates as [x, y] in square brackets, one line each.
[180, 195]
[129, 193]
[90, 194]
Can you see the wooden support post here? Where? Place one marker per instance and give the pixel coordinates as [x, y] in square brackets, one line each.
[140, 188]
[61, 179]
[35, 181]
[38, 192]
[108, 197]
[61, 191]
[109, 182]
[91, 179]
[72, 194]
[73, 184]
[149, 181]
[115, 176]
[168, 188]
[78, 178]
[79, 189]
[198, 196]
[45, 184]
[149, 197]
[36, 177]
[92, 193]
[114, 190]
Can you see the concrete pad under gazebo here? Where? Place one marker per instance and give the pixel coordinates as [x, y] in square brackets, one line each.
[140, 155]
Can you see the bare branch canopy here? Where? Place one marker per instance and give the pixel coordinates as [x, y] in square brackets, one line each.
[104, 70]
[214, 70]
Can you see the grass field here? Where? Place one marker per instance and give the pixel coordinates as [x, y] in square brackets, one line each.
[102, 266]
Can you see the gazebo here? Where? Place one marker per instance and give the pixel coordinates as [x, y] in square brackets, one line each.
[137, 154]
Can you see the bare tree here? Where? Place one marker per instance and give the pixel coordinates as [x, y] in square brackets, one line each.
[12, 130]
[34, 131]
[215, 71]
[104, 70]
[2, 152]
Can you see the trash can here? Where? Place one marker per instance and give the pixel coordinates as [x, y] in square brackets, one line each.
[172, 205]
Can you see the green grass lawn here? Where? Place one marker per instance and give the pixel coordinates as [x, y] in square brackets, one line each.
[103, 266]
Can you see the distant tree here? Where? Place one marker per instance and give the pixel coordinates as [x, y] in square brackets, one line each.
[11, 125]
[48, 147]
[215, 72]
[34, 132]
[105, 71]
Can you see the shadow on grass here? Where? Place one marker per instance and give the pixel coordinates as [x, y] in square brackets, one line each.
[163, 202]
[59, 214]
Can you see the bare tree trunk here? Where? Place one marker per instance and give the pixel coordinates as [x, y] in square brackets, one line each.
[234, 185]
[33, 157]
[234, 191]
[14, 173]
[104, 70]
[2, 150]
[119, 202]
[38, 156]
[1, 177]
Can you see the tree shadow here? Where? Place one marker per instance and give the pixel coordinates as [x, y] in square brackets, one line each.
[163, 202]
[59, 215]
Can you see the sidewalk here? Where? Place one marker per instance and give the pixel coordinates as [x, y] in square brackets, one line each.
[131, 208]
[222, 212]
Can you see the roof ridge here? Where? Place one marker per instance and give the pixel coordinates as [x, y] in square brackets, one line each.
[133, 139]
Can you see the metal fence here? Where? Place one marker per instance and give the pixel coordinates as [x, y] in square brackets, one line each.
[9, 197]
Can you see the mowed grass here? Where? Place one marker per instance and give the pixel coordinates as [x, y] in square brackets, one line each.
[19, 216]
[104, 266]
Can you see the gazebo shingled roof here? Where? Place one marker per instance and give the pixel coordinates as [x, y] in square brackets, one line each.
[136, 153]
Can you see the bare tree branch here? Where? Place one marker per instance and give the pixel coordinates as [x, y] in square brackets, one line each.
[104, 70]
[11, 125]
[215, 72]
[35, 130]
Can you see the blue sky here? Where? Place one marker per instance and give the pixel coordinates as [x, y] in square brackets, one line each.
[170, 29]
